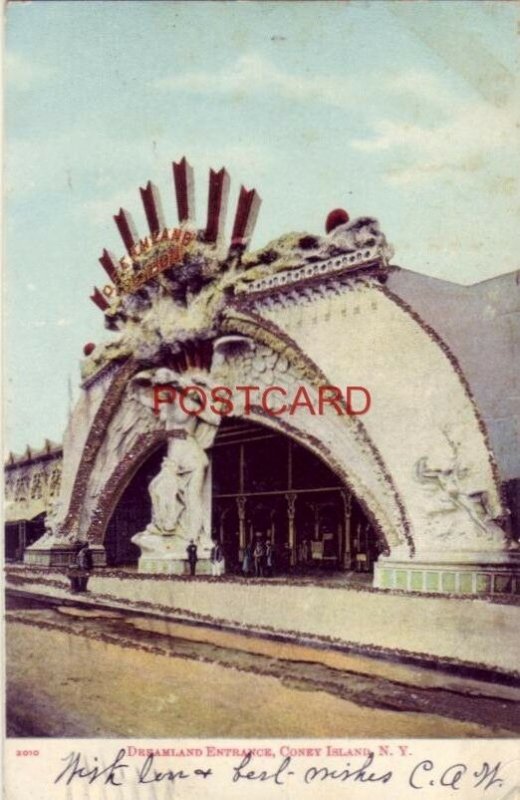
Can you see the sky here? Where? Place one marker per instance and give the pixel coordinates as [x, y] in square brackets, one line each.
[407, 112]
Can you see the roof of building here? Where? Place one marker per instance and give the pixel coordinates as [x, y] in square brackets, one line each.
[49, 450]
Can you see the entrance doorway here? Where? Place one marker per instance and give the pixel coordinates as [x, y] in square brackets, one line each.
[268, 488]
[132, 514]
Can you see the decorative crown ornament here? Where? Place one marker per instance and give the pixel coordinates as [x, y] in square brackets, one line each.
[165, 247]
[172, 289]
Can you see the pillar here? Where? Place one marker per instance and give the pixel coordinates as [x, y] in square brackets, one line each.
[291, 513]
[241, 507]
[347, 509]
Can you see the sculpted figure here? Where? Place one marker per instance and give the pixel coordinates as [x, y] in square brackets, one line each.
[177, 491]
[467, 515]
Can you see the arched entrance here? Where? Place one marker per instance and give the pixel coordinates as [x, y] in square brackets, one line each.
[267, 487]
[132, 513]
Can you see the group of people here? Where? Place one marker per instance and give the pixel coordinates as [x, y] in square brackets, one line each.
[259, 558]
[216, 558]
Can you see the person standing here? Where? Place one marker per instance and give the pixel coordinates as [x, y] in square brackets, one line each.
[191, 551]
[84, 563]
[85, 558]
[217, 559]
[246, 560]
[258, 558]
[269, 558]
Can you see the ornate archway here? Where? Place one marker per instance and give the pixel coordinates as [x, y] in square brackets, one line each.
[305, 311]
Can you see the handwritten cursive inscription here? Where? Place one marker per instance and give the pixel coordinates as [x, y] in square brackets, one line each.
[113, 775]
[443, 779]
[276, 777]
[149, 774]
[360, 775]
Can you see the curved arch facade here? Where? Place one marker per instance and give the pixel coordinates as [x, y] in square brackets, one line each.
[380, 470]
[305, 312]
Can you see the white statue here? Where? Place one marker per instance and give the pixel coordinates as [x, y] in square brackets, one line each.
[177, 491]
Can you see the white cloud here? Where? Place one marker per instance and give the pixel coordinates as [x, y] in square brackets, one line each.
[478, 139]
[23, 74]
[420, 86]
[252, 73]
[422, 128]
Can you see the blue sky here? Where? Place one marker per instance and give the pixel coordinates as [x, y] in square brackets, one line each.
[403, 111]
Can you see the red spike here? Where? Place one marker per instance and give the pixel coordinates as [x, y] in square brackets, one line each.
[109, 263]
[99, 300]
[152, 207]
[184, 190]
[245, 217]
[126, 229]
[217, 204]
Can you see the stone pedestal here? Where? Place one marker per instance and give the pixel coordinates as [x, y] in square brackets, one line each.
[172, 566]
[492, 573]
[56, 555]
[166, 555]
[49, 557]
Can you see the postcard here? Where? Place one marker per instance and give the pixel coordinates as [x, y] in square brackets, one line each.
[261, 441]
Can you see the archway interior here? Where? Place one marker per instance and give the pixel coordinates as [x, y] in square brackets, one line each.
[267, 487]
[132, 513]
[264, 486]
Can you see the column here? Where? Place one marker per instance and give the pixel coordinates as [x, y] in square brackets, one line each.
[22, 543]
[241, 508]
[347, 509]
[291, 513]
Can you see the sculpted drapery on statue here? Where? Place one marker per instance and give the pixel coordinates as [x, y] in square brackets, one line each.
[178, 509]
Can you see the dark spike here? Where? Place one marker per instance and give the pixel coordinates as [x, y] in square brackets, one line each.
[184, 190]
[127, 229]
[245, 218]
[217, 204]
[153, 208]
[109, 263]
[99, 299]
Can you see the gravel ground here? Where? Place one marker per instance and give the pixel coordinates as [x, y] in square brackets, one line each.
[81, 673]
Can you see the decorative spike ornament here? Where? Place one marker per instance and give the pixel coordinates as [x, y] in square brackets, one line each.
[184, 190]
[245, 217]
[127, 230]
[153, 208]
[217, 205]
[109, 263]
[98, 298]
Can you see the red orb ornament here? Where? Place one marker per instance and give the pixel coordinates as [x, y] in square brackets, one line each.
[89, 348]
[337, 217]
